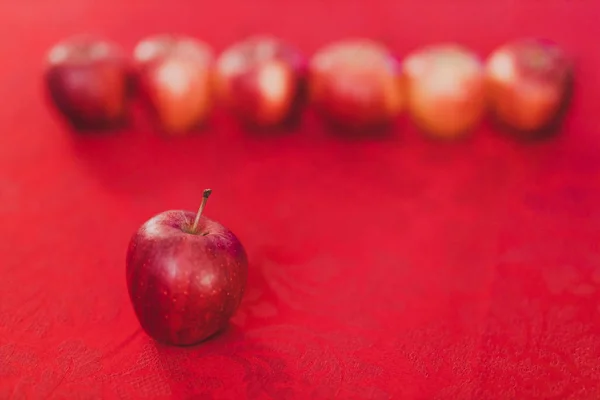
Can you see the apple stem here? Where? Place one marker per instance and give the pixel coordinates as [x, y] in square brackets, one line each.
[205, 196]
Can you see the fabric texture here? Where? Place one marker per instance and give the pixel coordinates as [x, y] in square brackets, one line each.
[380, 268]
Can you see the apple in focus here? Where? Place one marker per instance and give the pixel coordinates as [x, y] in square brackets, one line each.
[445, 90]
[186, 276]
[262, 81]
[174, 78]
[356, 85]
[529, 85]
[87, 80]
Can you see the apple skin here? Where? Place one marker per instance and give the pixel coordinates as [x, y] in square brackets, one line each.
[262, 81]
[88, 82]
[174, 78]
[529, 85]
[445, 90]
[355, 85]
[185, 287]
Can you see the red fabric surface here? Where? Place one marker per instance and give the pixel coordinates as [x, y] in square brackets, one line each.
[383, 268]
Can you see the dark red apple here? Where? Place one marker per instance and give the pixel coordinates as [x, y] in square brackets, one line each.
[262, 80]
[174, 77]
[87, 80]
[186, 276]
[445, 90]
[356, 85]
[529, 85]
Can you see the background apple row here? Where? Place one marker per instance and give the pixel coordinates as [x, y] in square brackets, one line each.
[355, 85]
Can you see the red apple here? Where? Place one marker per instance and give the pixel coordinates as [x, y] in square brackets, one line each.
[186, 276]
[87, 82]
[356, 85]
[445, 89]
[529, 84]
[174, 77]
[262, 81]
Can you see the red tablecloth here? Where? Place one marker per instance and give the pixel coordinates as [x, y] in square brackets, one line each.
[385, 268]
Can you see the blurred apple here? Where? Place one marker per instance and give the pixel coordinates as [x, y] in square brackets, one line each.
[445, 89]
[87, 82]
[355, 85]
[529, 85]
[261, 80]
[174, 77]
